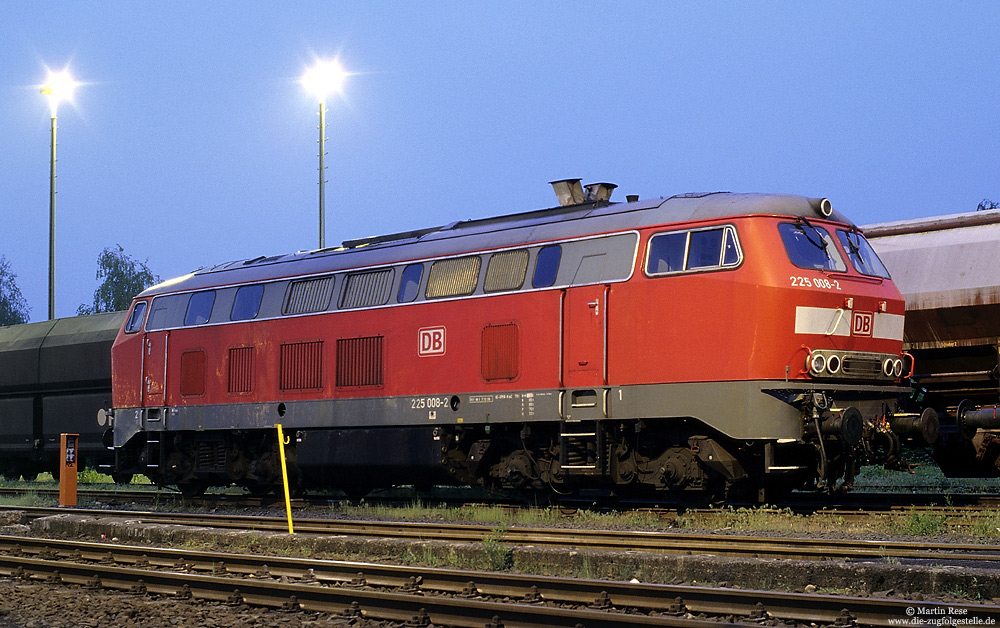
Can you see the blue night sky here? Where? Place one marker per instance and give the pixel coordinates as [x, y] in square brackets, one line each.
[192, 142]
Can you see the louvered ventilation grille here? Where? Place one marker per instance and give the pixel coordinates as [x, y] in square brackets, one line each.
[506, 271]
[501, 352]
[359, 361]
[453, 277]
[864, 367]
[302, 365]
[310, 295]
[210, 456]
[365, 289]
[241, 369]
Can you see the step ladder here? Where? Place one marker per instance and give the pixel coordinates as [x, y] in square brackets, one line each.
[580, 447]
[153, 452]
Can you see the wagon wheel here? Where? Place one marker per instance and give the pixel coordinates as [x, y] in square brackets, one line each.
[122, 478]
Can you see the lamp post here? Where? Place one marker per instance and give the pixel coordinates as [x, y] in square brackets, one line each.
[58, 87]
[321, 80]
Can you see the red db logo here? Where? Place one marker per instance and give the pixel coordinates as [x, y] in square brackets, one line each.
[863, 323]
[430, 341]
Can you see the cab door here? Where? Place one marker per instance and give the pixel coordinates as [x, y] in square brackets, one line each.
[154, 368]
[585, 334]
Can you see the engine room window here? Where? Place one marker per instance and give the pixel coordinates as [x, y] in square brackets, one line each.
[246, 304]
[811, 247]
[135, 320]
[453, 277]
[505, 271]
[409, 285]
[546, 266]
[701, 249]
[199, 309]
[862, 255]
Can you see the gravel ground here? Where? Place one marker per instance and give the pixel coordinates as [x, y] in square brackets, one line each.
[36, 605]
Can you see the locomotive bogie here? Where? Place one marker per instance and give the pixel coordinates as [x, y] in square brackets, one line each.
[707, 343]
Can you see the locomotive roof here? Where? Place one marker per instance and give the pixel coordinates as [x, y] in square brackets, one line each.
[497, 232]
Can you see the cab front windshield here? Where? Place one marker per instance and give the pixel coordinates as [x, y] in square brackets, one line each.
[809, 246]
[862, 255]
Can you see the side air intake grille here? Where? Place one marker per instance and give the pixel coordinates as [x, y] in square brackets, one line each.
[359, 361]
[302, 365]
[241, 369]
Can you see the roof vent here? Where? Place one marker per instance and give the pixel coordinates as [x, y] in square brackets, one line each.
[598, 191]
[569, 191]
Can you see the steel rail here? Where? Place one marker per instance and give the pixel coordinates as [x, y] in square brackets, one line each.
[657, 541]
[515, 599]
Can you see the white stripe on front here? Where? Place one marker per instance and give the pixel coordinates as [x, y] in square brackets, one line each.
[828, 321]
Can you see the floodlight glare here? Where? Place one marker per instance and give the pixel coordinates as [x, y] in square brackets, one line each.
[324, 78]
[58, 87]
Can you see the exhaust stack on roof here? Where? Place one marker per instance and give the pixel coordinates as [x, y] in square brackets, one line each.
[568, 191]
[598, 191]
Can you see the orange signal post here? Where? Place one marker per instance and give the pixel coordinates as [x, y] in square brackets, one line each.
[67, 472]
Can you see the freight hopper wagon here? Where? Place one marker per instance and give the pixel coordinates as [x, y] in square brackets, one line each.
[55, 377]
[703, 344]
[947, 269]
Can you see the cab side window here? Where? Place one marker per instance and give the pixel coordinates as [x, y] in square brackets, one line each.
[694, 250]
[135, 320]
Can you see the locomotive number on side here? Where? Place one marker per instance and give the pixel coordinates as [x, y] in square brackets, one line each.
[421, 403]
[816, 282]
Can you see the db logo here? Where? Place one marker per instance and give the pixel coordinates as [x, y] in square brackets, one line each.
[863, 323]
[430, 341]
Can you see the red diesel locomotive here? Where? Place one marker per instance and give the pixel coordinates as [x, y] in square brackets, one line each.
[715, 344]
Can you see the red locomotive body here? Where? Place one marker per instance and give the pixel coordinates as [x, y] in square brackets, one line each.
[704, 343]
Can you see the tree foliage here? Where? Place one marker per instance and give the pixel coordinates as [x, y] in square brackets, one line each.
[987, 204]
[13, 308]
[121, 279]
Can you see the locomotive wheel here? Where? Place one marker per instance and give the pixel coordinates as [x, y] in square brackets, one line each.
[260, 490]
[122, 478]
[30, 476]
[193, 488]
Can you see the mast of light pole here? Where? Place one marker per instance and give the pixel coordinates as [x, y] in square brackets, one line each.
[52, 222]
[323, 79]
[322, 174]
[60, 86]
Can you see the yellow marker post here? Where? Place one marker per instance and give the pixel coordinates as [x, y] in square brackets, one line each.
[284, 477]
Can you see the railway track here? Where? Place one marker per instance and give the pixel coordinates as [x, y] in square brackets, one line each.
[657, 541]
[422, 596]
[853, 506]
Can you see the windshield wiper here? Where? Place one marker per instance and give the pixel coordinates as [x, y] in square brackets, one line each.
[855, 249]
[822, 244]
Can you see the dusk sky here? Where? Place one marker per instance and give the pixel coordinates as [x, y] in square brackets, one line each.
[191, 141]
